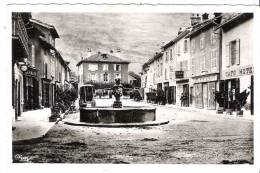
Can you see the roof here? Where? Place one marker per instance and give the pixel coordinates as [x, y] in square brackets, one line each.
[180, 36]
[203, 26]
[103, 58]
[54, 32]
[235, 20]
[156, 56]
[134, 75]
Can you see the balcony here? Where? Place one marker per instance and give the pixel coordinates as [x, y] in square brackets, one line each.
[19, 34]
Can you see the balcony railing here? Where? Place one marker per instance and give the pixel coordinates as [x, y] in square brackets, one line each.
[19, 31]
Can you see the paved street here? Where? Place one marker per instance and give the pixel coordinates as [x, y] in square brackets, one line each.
[190, 137]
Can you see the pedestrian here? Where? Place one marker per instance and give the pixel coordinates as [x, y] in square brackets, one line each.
[182, 97]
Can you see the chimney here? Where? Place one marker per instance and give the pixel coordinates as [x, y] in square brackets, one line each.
[218, 17]
[89, 53]
[180, 31]
[217, 14]
[104, 55]
[205, 16]
[195, 19]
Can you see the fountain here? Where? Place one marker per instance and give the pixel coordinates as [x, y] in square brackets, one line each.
[118, 115]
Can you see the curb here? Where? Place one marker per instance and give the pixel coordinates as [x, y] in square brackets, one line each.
[117, 125]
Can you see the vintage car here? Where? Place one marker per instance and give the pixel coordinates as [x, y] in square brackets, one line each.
[86, 96]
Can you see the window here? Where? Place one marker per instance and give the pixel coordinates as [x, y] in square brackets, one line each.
[202, 42]
[33, 55]
[93, 77]
[234, 52]
[117, 67]
[213, 38]
[192, 66]
[166, 56]
[118, 76]
[203, 63]
[59, 76]
[213, 58]
[185, 46]
[105, 67]
[166, 74]
[92, 67]
[45, 70]
[171, 57]
[193, 45]
[178, 49]
[105, 77]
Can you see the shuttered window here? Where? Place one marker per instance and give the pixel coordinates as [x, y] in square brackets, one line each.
[227, 54]
[233, 53]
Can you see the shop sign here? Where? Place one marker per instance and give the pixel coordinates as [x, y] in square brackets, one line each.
[239, 71]
[205, 79]
[179, 74]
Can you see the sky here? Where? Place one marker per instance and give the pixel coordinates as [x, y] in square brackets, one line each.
[138, 36]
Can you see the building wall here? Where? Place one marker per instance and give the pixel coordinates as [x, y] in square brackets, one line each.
[100, 71]
[243, 32]
[205, 55]
[201, 58]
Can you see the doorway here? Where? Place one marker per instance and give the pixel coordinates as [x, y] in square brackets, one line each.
[205, 95]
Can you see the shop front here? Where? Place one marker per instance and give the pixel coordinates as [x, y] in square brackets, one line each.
[238, 80]
[204, 91]
[31, 89]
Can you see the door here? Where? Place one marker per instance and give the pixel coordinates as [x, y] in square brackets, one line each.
[45, 95]
[186, 94]
[205, 95]
[191, 95]
[212, 89]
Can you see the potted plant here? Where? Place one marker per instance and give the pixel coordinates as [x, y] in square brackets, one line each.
[55, 113]
[240, 102]
[219, 98]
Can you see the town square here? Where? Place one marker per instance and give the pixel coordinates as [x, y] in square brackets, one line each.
[126, 88]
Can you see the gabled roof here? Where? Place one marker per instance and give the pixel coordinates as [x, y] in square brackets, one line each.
[177, 38]
[52, 29]
[103, 58]
[234, 20]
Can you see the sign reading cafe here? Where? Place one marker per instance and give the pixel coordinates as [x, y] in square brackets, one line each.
[238, 71]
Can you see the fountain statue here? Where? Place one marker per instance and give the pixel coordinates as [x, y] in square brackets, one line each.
[117, 92]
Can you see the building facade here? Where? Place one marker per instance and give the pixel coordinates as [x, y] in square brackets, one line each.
[37, 67]
[102, 69]
[53, 70]
[20, 56]
[237, 58]
[176, 69]
[205, 51]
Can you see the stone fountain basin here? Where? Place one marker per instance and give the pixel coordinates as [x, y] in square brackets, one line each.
[126, 114]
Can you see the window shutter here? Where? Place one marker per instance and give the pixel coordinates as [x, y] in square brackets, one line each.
[114, 67]
[228, 54]
[237, 51]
